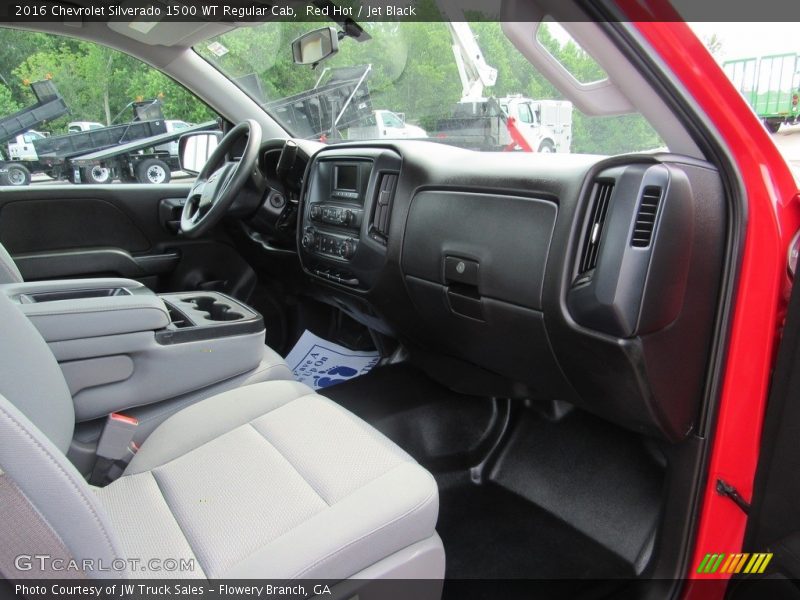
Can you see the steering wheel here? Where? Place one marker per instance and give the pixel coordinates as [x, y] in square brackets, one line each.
[220, 180]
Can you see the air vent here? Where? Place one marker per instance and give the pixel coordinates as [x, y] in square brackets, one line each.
[646, 217]
[379, 228]
[601, 196]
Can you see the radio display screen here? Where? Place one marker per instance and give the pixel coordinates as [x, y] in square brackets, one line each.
[346, 178]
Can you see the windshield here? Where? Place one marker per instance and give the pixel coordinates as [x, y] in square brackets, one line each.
[410, 69]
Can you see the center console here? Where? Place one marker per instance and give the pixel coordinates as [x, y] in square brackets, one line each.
[120, 345]
[344, 225]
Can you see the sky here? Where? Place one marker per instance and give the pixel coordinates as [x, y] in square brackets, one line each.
[745, 40]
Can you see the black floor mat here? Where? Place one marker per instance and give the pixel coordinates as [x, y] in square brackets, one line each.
[491, 533]
[599, 478]
[438, 427]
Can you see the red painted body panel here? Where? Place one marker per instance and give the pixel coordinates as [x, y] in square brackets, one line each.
[773, 215]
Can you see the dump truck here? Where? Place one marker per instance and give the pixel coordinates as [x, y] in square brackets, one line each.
[339, 99]
[138, 161]
[49, 106]
[56, 154]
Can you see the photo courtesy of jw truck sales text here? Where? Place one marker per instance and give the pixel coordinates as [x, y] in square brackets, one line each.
[399, 299]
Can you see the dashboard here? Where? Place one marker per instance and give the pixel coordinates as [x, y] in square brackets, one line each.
[570, 277]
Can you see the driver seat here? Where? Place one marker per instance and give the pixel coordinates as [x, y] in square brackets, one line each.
[268, 481]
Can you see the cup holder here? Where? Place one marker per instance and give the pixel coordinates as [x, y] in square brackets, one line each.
[220, 312]
[201, 302]
[216, 311]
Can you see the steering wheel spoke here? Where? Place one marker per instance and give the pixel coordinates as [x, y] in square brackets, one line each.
[197, 188]
[220, 180]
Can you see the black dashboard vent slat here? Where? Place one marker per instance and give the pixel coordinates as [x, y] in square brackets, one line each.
[601, 197]
[646, 217]
[379, 228]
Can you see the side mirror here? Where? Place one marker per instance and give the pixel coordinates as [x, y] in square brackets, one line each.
[315, 46]
[402, 117]
[195, 148]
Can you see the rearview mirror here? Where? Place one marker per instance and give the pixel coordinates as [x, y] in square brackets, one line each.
[315, 46]
[195, 148]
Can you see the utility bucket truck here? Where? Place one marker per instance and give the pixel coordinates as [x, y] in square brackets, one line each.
[509, 123]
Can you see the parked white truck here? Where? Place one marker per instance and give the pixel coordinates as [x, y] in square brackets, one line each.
[78, 126]
[21, 147]
[385, 124]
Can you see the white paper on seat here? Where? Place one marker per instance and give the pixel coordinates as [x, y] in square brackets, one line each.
[319, 363]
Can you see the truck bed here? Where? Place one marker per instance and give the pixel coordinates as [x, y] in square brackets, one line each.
[73, 144]
[31, 117]
[477, 133]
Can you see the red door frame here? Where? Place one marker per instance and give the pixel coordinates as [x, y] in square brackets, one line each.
[773, 216]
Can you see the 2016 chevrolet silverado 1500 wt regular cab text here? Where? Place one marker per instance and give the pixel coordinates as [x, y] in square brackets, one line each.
[542, 341]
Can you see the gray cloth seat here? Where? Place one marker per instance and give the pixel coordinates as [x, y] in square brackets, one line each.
[9, 272]
[266, 481]
[271, 480]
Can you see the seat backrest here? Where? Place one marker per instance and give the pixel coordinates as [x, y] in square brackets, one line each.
[9, 273]
[31, 379]
[45, 504]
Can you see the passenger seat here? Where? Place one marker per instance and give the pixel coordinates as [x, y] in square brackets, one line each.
[265, 481]
[9, 272]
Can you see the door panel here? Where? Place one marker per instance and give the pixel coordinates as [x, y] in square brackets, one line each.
[67, 231]
[53, 224]
[774, 517]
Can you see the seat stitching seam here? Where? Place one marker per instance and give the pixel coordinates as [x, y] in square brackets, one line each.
[368, 534]
[368, 429]
[216, 436]
[291, 464]
[52, 459]
[189, 451]
[205, 568]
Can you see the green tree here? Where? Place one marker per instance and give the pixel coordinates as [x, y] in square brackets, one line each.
[714, 44]
[7, 103]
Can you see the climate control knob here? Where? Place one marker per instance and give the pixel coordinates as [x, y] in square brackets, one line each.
[308, 239]
[347, 249]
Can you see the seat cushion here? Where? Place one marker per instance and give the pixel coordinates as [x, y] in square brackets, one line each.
[270, 481]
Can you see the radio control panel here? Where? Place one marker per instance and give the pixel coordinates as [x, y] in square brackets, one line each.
[336, 215]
